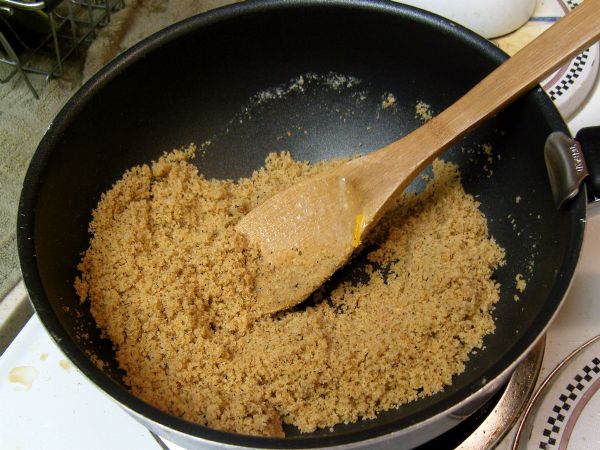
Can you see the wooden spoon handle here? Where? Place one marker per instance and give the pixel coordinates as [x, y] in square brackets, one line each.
[396, 164]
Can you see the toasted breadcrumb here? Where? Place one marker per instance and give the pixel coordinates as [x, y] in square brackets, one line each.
[388, 101]
[521, 284]
[423, 111]
[170, 282]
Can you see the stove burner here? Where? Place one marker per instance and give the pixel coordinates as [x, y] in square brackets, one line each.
[486, 428]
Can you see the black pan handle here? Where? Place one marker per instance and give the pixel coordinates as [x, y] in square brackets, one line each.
[589, 140]
[570, 162]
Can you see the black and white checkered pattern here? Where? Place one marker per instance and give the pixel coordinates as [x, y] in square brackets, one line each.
[573, 3]
[565, 402]
[575, 69]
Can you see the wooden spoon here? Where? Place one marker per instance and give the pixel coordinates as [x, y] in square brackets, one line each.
[308, 231]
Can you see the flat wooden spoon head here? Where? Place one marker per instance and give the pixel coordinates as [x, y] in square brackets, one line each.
[304, 234]
[310, 230]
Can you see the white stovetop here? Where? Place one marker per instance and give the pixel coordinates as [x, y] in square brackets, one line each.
[62, 410]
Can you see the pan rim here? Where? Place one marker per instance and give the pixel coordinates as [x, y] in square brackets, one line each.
[376, 434]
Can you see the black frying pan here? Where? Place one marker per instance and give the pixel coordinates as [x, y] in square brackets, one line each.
[195, 82]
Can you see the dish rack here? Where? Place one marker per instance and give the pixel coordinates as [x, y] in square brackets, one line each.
[37, 36]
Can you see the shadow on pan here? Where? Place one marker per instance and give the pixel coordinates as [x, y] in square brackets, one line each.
[309, 77]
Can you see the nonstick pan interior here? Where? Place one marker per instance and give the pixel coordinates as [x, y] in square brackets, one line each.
[308, 77]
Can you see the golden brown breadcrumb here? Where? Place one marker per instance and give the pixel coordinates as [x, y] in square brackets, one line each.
[171, 282]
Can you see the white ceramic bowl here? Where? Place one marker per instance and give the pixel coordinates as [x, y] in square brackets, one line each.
[489, 18]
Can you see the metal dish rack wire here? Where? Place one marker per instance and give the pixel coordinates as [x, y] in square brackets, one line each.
[37, 37]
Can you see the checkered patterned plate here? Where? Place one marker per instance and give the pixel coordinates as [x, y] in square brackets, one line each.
[564, 411]
[570, 85]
